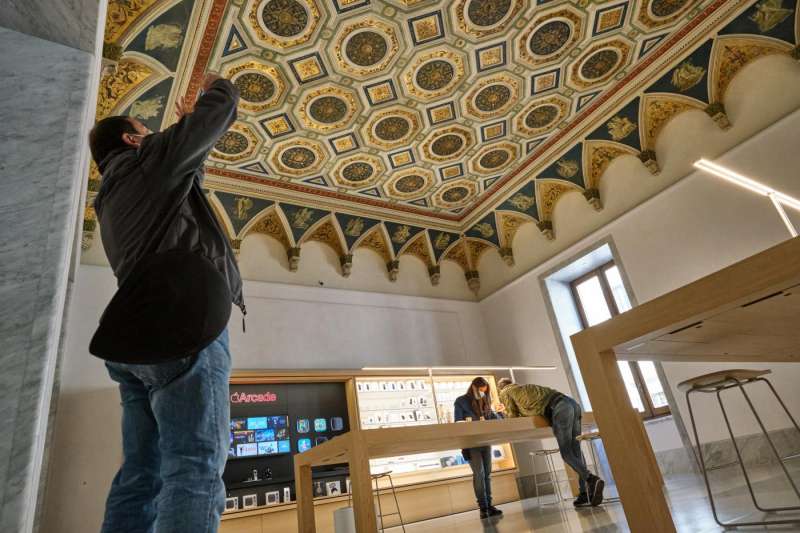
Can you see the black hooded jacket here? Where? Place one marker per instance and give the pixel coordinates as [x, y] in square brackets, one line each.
[151, 198]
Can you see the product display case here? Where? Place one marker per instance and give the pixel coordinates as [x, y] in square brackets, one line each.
[397, 401]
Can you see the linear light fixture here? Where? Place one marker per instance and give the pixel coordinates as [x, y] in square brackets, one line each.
[446, 368]
[779, 199]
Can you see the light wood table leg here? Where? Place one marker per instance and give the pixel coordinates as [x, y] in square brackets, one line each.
[629, 452]
[361, 485]
[305, 499]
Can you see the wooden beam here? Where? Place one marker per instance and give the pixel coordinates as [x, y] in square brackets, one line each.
[630, 455]
[305, 498]
[361, 485]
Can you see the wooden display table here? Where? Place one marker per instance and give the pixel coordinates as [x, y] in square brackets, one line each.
[749, 311]
[359, 446]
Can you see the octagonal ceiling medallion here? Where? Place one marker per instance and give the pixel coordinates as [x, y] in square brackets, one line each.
[447, 143]
[549, 37]
[492, 96]
[365, 47]
[599, 63]
[283, 23]
[481, 18]
[433, 73]
[359, 170]
[658, 13]
[236, 144]
[494, 158]
[455, 194]
[541, 116]
[327, 108]
[261, 86]
[297, 157]
[409, 184]
[392, 127]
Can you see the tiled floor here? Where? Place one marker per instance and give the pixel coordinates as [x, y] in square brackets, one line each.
[687, 496]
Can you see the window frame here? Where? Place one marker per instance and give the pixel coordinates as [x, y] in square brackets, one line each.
[650, 411]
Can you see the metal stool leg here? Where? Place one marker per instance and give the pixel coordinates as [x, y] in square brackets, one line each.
[397, 505]
[554, 478]
[535, 480]
[699, 456]
[774, 451]
[380, 511]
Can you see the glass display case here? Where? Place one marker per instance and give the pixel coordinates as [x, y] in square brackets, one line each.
[397, 401]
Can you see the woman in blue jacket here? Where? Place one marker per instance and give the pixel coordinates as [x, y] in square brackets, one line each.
[476, 404]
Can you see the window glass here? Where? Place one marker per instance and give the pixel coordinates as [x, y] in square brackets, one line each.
[651, 381]
[593, 301]
[630, 385]
[617, 289]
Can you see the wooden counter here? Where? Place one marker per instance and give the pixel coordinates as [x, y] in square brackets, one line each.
[359, 446]
[749, 311]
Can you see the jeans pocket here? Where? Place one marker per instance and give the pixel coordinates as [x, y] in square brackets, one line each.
[160, 375]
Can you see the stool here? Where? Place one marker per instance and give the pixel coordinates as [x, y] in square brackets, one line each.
[552, 472]
[381, 514]
[589, 439]
[715, 383]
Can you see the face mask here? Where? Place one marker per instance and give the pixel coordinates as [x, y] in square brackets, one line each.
[479, 394]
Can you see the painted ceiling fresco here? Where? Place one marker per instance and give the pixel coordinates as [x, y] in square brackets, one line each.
[428, 128]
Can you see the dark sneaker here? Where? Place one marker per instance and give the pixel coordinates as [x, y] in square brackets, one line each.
[494, 511]
[484, 514]
[595, 487]
[582, 500]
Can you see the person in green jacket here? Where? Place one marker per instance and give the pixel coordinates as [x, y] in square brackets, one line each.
[564, 415]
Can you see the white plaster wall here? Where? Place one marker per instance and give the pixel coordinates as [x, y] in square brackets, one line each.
[288, 326]
[692, 229]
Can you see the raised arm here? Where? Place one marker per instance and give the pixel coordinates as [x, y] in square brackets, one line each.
[192, 137]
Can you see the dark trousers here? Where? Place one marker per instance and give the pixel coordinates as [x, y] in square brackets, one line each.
[480, 460]
[566, 422]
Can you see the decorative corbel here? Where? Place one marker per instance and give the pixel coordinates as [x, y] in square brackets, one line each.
[507, 254]
[648, 158]
[236, 244]
[546, 227]
[716, 111]
[111, 54]
[293, 254]
[347, 264]
[394, 268]
[593, 197]
[435, 274]
[795, 53]
[473, 280]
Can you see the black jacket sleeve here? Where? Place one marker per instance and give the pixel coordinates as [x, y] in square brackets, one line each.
[192, 137]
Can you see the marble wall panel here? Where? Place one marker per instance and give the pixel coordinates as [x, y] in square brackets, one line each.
[69, 22]
[45, 88]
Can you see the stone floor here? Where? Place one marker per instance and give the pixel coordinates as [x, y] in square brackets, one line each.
[686, 493]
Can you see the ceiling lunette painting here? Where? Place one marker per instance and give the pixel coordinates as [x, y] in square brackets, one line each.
[406, 138]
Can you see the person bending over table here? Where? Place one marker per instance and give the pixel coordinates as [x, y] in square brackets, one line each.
[564, 415]
[476, 405]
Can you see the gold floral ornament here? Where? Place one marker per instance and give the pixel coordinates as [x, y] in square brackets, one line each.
[236, 144]
[480, 18]
[114, 86]
[456, 194]
[297, 157]
[365, 47]
[541, 116]
[241, 207]
[261, 86]
[409, 183]
[620, 127]
[433, 73]
[327, 108]
[391, 127]
[492, 96]
[401, 234]
[550, 36]
[121, 14]
[447, 143]
[687, 75]
[358, 171]
[768, 14]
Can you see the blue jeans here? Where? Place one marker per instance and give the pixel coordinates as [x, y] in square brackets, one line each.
[566, 423]
[480, 460]
[175, 436]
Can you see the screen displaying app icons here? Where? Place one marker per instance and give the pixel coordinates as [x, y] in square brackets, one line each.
[282, 434]
[243, 437]
[246, 450]
[337, 423]
[284, 446]
[267, 448]
[278, 421]
[303, 425]
[303, 445]
[320, 440]
[258, 422]
[320, 425]
[263, 435]
[238, 424]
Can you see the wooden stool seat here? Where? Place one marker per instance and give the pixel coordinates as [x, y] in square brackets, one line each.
[720, 378]
[588, 436]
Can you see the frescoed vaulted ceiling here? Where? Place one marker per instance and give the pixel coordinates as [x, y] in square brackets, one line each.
[423, 127]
